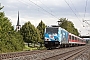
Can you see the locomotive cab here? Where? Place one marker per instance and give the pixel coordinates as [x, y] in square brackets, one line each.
[51, 39]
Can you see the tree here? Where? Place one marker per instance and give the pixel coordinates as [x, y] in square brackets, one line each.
[69, 26]
[41, 27]
[10, 40]
[30, 33]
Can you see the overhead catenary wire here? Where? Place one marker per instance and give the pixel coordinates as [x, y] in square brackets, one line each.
[22, 1]
[74, 7]
[43, 9]
[51, 13]
[71, 8]
[39, 7]
[77, 11]
[46, 6]
[73, 12]
[28, 4]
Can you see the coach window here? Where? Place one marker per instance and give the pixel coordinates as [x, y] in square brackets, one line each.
[75, 38]
[78, 39]
[72, 37]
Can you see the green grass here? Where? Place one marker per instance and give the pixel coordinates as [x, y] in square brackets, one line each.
[31, 48]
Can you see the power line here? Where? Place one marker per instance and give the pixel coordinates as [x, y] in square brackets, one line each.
[43, 9]
[45, 6]
[39, 7]
[26, 3]
[76, 10]
[70, 8]
[73, 11]
[74, 7]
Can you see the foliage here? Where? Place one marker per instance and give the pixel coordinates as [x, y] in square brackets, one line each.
[69, 26]
[9, 39]
[30, 33]
[41, 28]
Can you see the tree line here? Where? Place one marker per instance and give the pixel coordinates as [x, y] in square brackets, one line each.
[11, 40]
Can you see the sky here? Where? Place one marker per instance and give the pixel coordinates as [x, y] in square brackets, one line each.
[49, 11]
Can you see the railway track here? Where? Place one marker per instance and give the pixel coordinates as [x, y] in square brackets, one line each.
[56, 54]
[18, 54]
[70, 55]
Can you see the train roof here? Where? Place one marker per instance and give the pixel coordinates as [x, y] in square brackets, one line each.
[52, 27]
[57, 27]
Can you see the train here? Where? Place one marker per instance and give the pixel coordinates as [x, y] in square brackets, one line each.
[56, 37]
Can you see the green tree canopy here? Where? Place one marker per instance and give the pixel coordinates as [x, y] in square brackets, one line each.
[41, 27]
[9, 39]
[69, 26]
[30, 33]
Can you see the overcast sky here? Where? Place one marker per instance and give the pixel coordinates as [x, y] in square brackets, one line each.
[49, 11]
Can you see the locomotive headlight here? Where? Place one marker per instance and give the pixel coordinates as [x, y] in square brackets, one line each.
[46, 39]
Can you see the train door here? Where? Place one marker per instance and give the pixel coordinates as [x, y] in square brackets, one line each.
[69, 38]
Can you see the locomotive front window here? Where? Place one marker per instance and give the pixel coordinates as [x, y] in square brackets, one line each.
[51, 30]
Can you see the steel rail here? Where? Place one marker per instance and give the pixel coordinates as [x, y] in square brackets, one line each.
[67, 55]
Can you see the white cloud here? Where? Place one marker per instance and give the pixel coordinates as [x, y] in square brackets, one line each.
[48, 11]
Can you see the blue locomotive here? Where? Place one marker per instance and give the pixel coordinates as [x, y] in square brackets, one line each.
[55, 36]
